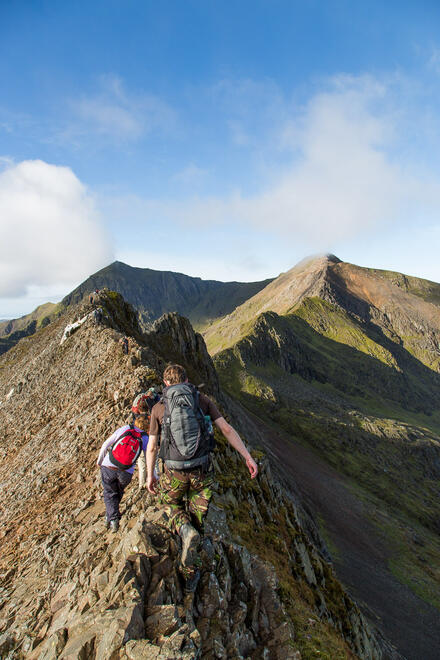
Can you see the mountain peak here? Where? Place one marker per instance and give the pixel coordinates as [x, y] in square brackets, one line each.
[317, 259]
[333, 258]
[306, 279]
[353, 288]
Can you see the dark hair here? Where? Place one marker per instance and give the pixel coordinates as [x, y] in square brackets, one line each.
[174, 374]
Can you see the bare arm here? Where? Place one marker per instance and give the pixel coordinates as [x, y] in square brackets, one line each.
[152, 449]
[235, 441]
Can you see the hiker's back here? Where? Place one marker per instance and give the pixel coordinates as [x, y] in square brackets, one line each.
[185, 440]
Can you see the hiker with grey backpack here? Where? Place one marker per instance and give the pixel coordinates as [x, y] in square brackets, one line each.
[183, 420]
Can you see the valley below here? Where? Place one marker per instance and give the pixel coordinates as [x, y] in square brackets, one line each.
[361, 552]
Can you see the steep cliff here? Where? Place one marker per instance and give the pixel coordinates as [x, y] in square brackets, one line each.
[72, 590]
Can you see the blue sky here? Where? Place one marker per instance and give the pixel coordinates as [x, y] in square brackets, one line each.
[221, 139]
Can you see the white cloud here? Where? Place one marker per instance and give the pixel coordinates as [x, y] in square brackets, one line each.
[346, 174]
[118, 113]
[191, 175]
[343, 180]
[50, 231]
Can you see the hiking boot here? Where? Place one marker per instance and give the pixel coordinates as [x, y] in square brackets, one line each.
[190, 540]
[114, 525]
[192, 582]
[107, 524]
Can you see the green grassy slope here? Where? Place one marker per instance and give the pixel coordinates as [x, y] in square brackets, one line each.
[27, 325]
[364, 403]
[40, 315]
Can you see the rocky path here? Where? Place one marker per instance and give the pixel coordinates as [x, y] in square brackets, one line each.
[361, 561]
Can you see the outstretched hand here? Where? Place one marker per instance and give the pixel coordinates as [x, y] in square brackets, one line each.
[152, 484]
[252, 467]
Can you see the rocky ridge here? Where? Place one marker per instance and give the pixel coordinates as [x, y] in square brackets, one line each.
[71, 590]
[151, 292]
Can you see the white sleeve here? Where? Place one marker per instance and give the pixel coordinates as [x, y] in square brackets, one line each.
[105, 446]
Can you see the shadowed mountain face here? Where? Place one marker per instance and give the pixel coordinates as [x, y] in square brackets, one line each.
[151, 292]
[155, 292]
[346, 360]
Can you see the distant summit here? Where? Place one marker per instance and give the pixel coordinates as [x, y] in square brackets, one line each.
[221, 308]
[154, 292]
[151, 292]
[365, 293]
[333, 258]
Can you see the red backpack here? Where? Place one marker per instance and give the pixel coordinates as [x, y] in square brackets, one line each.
[125, 451]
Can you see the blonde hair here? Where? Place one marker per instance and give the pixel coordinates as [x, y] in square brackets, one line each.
[142, 423]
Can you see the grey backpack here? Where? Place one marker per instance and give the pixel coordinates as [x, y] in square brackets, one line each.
[185, 439]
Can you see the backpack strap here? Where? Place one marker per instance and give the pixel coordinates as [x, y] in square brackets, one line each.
[199, 412]
[110, 447]
[165, 430]
[123, 435]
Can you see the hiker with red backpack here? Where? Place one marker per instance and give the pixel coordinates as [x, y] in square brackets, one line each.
[150, 398]
[117, 458]
[183, 421]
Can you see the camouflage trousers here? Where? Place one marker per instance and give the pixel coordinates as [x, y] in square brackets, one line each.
[185, 495]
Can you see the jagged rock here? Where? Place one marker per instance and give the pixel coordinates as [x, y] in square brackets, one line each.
[162, 620]
[79, 648]
[52, 648]
[183, 342]
[62, 597]
[305, 561]
[6, 643]
[142, 650]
